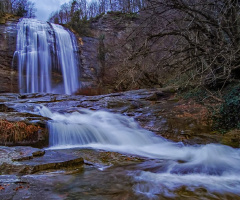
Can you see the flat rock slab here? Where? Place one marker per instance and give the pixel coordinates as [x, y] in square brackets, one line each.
[52, 160]
[13, 187]
[28, 160]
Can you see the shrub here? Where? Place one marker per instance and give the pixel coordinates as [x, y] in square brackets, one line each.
[227, 115]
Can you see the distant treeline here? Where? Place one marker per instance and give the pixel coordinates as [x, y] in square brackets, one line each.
[22, 8]
[83, 10]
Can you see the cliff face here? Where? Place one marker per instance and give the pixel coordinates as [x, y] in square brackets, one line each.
[8, 72]
[102, 53]
[89, 63]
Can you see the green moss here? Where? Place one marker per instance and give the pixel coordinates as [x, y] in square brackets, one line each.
[227, 116]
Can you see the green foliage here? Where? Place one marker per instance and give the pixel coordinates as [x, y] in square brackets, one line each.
[116, 13]
[81, 26]
[94, 19]
[56, 20]
[197, 93]
[119, 14]
[131, 16]
[228, 115]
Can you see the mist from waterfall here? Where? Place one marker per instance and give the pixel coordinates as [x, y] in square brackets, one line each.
[44, 49]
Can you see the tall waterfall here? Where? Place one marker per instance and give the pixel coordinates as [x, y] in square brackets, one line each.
[44, 48]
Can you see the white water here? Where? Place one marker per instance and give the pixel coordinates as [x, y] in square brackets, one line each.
[42, 48]
[214, 167]
[66, 48]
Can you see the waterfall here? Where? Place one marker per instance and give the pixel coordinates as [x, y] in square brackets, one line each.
[44, 49]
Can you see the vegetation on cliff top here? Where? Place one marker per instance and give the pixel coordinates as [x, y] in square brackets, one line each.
[21, 8]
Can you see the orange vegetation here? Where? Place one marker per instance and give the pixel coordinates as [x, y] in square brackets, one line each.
[194, 111]
[13, 132]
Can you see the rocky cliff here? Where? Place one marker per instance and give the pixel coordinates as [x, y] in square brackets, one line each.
[90, 64]
[8, 72]
[102, 52]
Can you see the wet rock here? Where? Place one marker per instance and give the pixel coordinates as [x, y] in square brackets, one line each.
[28, 187]
[115, 103]
[168, 89]
[90, 64]
[155, 96]
[154, 109]
[4, 108]
[25, 153]
[22, 96]
[104, 159]
[50, 165]
[232, 138]
[28, 160]
[8, 38]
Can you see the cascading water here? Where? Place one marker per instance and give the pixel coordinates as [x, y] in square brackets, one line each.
[41, 49]
[214, 167]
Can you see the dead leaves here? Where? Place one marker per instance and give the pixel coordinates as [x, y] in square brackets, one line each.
[5, 186]
[2, 188]
[17, 131]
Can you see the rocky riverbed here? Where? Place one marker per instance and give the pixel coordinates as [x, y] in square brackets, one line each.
[158, 110]
[33, 173]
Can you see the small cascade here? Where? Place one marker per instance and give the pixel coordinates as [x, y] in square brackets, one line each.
[100, 127]
[44, 48]
[213, 166]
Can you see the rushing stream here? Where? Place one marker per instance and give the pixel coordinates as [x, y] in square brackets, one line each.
[165, 168]
[213, 167]
[41, 49]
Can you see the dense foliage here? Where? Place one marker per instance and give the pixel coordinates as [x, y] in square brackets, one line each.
[227, 116]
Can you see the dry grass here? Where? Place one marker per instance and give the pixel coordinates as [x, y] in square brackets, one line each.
[13, 132]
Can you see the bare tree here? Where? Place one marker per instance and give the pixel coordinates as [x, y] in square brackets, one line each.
[197, 38]
[23, 8]
[93, 9]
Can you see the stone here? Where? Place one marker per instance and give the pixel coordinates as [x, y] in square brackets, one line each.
[28, 160]
[8, 71]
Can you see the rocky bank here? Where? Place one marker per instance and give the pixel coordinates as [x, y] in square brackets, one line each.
[8, 71]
